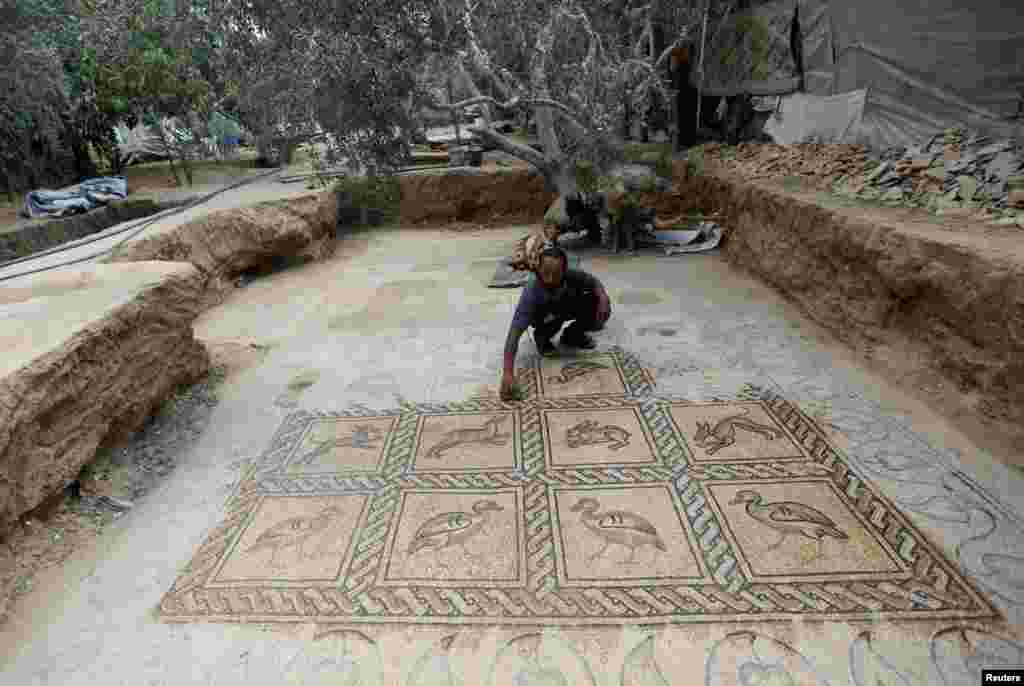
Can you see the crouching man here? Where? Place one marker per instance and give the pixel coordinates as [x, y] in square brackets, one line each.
[558, 295]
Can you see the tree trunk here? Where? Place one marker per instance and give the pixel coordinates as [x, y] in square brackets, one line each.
[264, 154]
[455, 115]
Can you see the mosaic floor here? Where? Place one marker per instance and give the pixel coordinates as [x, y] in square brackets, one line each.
[591, 502]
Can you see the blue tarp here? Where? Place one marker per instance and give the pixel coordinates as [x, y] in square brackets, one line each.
[88, 195]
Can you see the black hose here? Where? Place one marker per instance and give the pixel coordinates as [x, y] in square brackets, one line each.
[138, 229]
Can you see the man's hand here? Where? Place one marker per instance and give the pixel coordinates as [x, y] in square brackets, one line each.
[508, 388]
[508, 377]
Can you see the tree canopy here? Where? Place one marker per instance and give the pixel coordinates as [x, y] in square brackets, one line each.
[360, 70]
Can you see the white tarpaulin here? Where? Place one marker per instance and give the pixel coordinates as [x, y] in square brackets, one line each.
[826, 119]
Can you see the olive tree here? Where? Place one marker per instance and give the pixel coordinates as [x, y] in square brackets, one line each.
[574, 65]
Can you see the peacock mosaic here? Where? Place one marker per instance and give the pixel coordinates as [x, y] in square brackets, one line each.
[591, 502]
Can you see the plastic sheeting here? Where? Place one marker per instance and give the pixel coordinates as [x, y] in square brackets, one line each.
[818, 47]
[826, 119]
[927, 65]
[88, 195]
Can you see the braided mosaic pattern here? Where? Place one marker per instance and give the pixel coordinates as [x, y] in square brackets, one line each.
[926, 585]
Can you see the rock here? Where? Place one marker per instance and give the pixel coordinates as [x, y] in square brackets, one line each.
[995, 148]
[97, 350]
[1002, 166]
[878, 171]
[894, 195]
[222, 245]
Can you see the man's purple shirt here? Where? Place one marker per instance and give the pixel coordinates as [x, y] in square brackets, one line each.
[537, 303]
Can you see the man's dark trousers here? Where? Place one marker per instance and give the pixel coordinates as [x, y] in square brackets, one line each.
[581, 310]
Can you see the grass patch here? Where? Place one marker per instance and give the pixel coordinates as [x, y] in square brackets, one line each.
[13, 200]
[695, 161]
[792, 183]
[100, 469]
[304, 380]
[131, 203]
[646, 152]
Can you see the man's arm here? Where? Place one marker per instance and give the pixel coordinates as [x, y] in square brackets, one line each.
[511, 348]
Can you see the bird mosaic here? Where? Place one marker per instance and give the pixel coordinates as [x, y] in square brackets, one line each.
[293, 532]
[453, 528]
[790, 519]
[364, 437]
[618, 527]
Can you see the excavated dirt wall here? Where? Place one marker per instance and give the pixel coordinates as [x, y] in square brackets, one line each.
[91, 373]
[122, 339]
[223, 244]
[950, 290]
[507, 197]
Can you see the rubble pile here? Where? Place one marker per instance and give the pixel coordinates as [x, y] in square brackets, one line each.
[952, 172]
[819, 164]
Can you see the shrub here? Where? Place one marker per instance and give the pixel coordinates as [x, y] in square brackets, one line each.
[695, 161]
[376, 192]
[586, 177]
[663, 166]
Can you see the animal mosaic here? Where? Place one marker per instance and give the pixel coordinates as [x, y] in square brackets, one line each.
[486, 435]
[723, 433]
[618, 527]
[575, 370]
[589, 432]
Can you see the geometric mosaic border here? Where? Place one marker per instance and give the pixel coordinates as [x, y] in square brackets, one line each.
[926, 585]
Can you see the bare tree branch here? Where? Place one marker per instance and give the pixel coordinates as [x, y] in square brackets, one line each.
[523, 152]
[505, 81]
[517, 101]
[486, 109]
